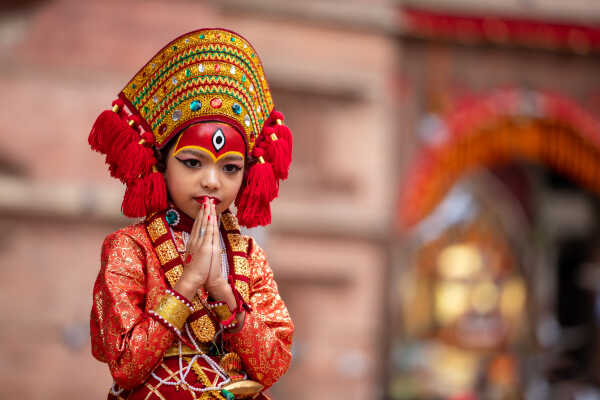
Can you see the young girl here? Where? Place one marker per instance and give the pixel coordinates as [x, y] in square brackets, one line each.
[185, 306]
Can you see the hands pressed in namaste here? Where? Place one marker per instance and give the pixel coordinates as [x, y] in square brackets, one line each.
[202, 259]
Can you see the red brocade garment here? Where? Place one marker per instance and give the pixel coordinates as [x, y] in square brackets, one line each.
[138, 347]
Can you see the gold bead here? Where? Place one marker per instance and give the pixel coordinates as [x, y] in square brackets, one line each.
[115, 108]
[261, 160]
[279, 122]
[274, 136]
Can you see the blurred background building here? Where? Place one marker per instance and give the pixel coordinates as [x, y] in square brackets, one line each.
[437, 238]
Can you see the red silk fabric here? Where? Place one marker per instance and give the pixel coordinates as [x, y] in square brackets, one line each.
[133, 344]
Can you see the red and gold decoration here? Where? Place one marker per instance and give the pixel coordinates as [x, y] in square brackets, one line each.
[204, 75]
[135, 279]
[223, 142]
[155, 341]
[465, 310]
[506, 125]
[501, 30]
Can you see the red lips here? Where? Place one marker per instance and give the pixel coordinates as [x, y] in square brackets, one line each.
[201, 199]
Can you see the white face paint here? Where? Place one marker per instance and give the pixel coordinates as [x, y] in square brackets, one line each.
[218, 139]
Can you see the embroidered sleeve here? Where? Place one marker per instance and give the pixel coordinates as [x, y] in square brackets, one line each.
[129, 340]
[264, 341]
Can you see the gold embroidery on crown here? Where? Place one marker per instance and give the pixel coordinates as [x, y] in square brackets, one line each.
[203, 328]
[166, 252]
[200, 66]
[156, 229]
[238, 242]
[174, 274]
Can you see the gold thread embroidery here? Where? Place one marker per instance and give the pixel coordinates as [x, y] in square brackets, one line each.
[240, 264]
[242, 287]
[197, 303]
[173, 310]
[234, 69]
[229, 222]
[231, 363]
[166, 252]
[203, 328]
[156, 229]
[238, 242]
[174, 274]
[199, 371]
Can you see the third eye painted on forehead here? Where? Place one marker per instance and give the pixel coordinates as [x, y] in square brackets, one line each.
[218, 141]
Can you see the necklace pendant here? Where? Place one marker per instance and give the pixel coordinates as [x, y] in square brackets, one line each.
[172, 217]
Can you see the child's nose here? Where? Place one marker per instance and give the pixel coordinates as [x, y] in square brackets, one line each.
[210, 179]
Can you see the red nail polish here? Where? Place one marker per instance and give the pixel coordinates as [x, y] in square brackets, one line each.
[209, 217]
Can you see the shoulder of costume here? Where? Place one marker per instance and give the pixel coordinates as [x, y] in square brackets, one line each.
[134, 232]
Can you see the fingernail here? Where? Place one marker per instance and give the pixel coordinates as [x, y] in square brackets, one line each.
[209, 217]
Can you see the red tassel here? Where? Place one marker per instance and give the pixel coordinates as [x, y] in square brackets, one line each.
[157, 195]
[283, 132]
[144, 196]
[104, 131]
[117, 152]
[261, 179]
[137, 159]
[276, 153]
[134, 205]
[277, 141]
[252, 213]
[106, 127]
[260, 188]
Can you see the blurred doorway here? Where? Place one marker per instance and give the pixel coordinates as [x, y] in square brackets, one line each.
[495, 286]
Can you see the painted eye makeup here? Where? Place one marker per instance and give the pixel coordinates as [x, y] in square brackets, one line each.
[189, 162]
[231, 168]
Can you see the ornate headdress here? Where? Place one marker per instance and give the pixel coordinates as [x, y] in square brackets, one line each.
[204, 75]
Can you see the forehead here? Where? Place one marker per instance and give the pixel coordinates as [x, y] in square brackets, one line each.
[215, 139]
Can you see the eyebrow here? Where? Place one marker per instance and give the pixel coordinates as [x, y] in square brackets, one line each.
[233, 158]
[202, 154]
[196, 153]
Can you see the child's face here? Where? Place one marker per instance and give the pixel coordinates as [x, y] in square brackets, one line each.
[206, 160]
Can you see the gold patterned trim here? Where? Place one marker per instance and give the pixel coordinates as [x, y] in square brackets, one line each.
[203, 328]
[156, 229]
[238, 242]
[242, 287]
[241, 265]
[185, 350]
[231, 363]
[229, 222]
[166, 252]
[174, 274]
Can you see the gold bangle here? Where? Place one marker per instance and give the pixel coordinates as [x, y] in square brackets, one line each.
[223, 312]
[173, 310]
